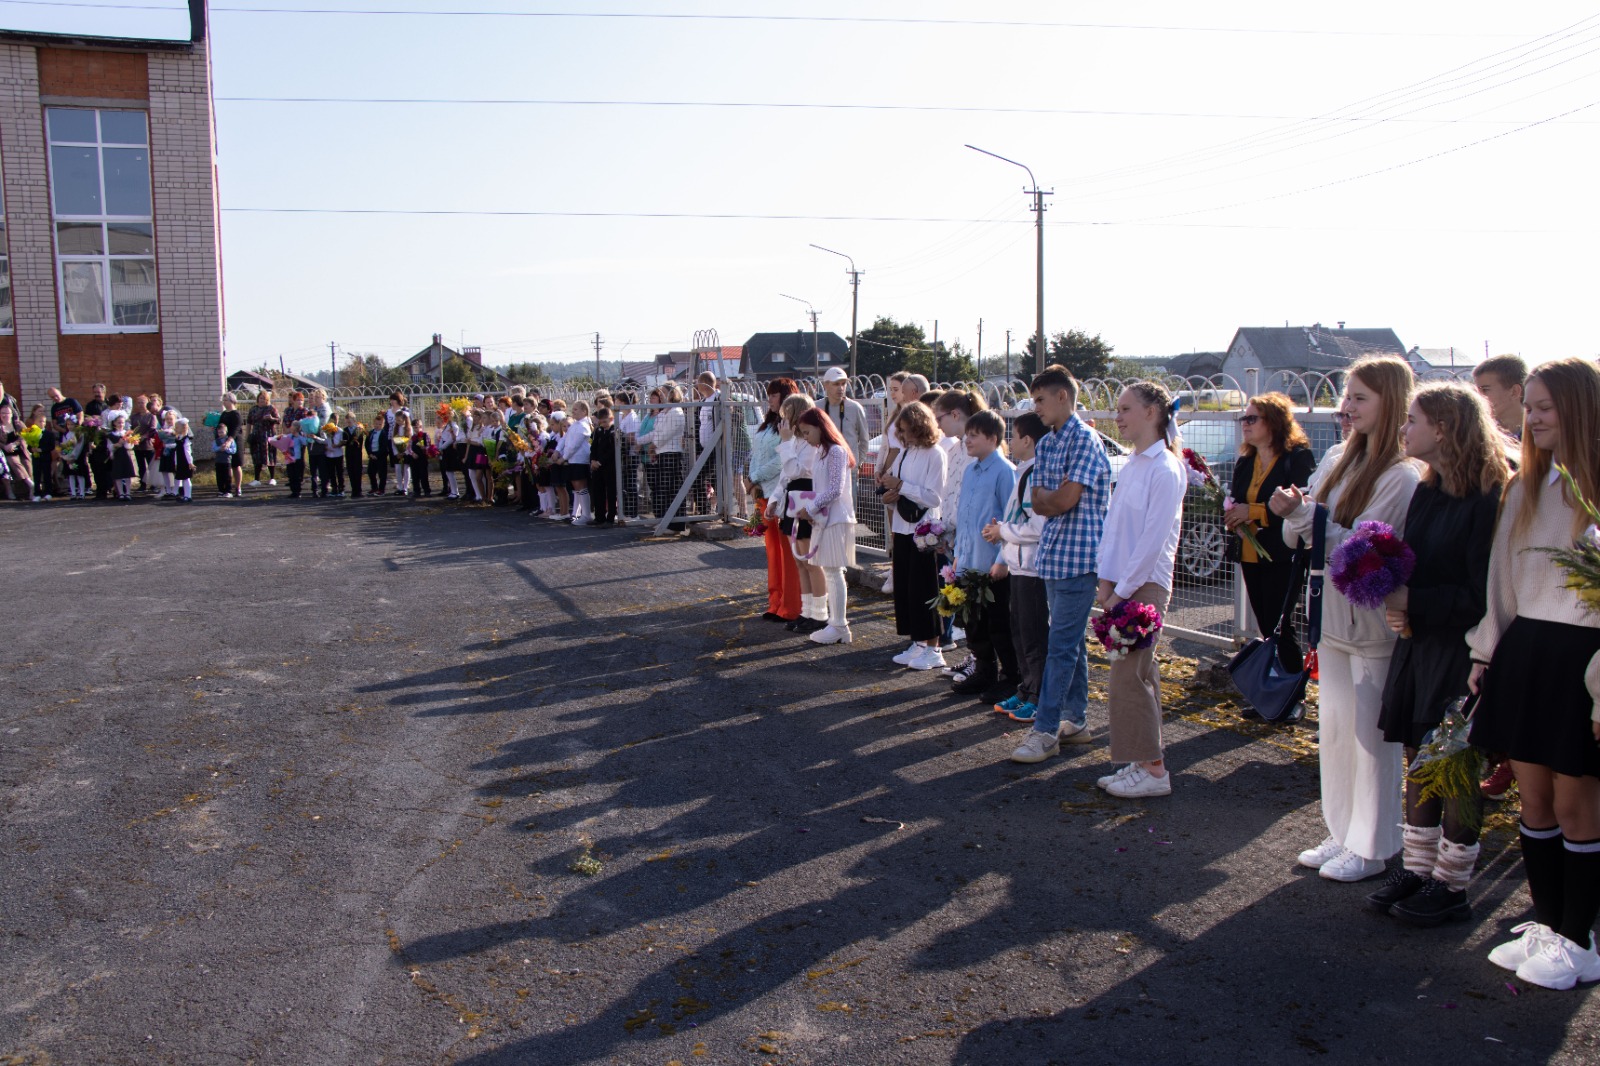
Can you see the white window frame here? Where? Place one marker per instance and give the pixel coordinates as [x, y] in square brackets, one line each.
[105, 258]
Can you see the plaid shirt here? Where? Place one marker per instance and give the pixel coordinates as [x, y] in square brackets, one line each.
[1070, 544]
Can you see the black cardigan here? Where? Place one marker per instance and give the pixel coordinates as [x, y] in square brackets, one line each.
[1294, 467]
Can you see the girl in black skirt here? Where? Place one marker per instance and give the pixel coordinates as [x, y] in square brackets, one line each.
[914, 489]
[1450, 525]
[123, 468]
[183, 461]
[1536, 661]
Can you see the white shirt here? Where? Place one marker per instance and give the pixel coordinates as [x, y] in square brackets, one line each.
[667, 433]
[628, 424]
[799, 459]
[1144, 521]
[922, 473]
[955, 465]
[708, 413]
[575, 442]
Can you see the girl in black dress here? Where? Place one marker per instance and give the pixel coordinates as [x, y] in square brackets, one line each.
[183, 461]
[1450, 525]
[1536, 661]
[123, 468]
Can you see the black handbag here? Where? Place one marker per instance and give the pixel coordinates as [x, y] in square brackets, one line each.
[1257, 670]
[909, 510]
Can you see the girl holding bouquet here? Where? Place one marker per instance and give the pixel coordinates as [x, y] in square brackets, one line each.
[836, 543]
[914, 489]
[1450, 528]
[445, 438]
[1536, 663]
[1137, 553]
[400, 447]
[123, 467]
[796, 456]
[1273, 453]
[1371, 481]
[766, 469]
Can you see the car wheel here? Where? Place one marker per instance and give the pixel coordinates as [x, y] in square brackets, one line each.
[1201, 551]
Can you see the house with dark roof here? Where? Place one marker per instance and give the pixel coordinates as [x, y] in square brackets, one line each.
[425, 365]
[1187, 365]
[790, 355]
[679, 366]
[1273, 358]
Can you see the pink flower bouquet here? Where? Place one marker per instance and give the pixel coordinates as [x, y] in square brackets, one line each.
[1372, 563]
[1127, 627]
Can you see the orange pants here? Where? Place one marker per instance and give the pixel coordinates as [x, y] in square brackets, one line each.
[783, 575]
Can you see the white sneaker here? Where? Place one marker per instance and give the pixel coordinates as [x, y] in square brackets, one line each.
[958, 634]
[888, 585]
[905, 657]
[1349, 867]
[1513, 953]
[1139, 782]
[927, 659]
[583, 521]
[1560, 964]
[1036, 747]
[1109, 779]
[1072, 733]
[831, 634]
[256, 484]
[272, 481]
[1318, 857]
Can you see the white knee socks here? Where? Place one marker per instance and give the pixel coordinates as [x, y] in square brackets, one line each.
[580, 505]
[1420, 848]
[450, 482]
[836, 597]
[1454, 865]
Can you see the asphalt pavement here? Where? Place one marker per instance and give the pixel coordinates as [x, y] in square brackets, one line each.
[380, 781]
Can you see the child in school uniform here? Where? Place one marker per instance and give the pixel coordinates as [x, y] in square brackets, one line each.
[477, 461]
[446, 436]
[402, 455]
[333, 459]
[418, 458]
[494, 442]
[355, 439]
[168, 436]
[377, 449]
[123, 468]
[575, 449]
[223, 447]
[603, 468]
[182, 461]
[73, 443]
[299, 448]
[1018, 532]
[318, 459]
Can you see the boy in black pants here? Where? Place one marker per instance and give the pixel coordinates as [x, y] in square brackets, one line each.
[378, 457]
[603, 468]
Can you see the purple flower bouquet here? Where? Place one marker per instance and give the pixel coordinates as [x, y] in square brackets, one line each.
[1129, 626]
[1372, 563]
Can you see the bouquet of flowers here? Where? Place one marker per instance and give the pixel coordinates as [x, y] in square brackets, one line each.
[444, 413]
[1129, 626]
[1204, 482]
[402, 443]
[1372, 563]
[132, 440]
[1447, 766]
[30, 437]
[754, 526]
[500, 471]
[964, 596]
[1581, 562]
[517, 441]
[461, 406]
[1246, 530]
[284, 444]
[929, 534]
[432, 451]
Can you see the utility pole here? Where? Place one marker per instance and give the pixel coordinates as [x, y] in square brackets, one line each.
[1008, 355]
[597, 360]
[816, 358]
[935, 351]
[1038, 195]
[855, 302]
[333, 367]
[980, 349]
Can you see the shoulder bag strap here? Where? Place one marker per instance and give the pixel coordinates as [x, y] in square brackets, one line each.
[1319, 552]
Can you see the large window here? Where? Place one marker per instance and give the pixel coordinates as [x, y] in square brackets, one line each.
[105, 229]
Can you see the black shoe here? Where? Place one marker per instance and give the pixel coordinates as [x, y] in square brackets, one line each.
[1433, 904]
[979, 682]
[772, 616]
[1001, 690]
[794, 624]
[1400, 884]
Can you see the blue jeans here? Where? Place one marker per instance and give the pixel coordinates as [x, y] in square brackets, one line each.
[1064, 688]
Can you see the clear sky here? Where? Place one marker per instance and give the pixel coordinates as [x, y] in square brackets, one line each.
[1424, 166]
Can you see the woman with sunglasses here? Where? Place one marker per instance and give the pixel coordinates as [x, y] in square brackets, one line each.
[1273, 454]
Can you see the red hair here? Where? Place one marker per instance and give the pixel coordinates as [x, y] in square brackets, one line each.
[816, 416]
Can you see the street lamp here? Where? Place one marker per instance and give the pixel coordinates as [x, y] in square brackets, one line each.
[816, 361]
[1038, 195]
[855, 299]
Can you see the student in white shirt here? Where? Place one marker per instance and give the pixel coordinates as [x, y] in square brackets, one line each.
[1018, 536]
[1137, 552]
[575, 453]
[915, 489]
[834, 500]
[663, 442]
[797, 458]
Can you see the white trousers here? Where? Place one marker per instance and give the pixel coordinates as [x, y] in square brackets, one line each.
[1363, 776]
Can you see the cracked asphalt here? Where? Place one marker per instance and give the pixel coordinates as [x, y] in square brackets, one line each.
[379, 782]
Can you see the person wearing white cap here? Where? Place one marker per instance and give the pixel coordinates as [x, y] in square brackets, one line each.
[848, 415]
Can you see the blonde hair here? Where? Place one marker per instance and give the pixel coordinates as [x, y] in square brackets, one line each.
[1471, 447]
[793, 407]
[1368, 456]
[1574, 387]
[580, 409]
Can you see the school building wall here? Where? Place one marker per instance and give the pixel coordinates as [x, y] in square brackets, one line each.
[183, 360]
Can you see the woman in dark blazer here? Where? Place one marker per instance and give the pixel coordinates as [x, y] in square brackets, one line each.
[1274, 453]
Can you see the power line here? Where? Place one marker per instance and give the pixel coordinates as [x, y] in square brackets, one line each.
[724, 17]
[814, 106]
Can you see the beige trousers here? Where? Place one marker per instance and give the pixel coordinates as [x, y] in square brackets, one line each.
[1134, 694]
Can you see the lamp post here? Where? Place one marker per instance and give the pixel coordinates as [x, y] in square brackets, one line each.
[1038, 195]
[816, 361]
[855, 299]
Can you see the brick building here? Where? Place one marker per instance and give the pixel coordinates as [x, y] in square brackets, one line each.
[110, 268]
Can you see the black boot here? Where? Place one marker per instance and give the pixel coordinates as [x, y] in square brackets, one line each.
[1400, 884]
[1433, 904]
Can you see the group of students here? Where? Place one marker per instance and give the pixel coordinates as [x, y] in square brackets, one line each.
[73, 451]
[1486, 614]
